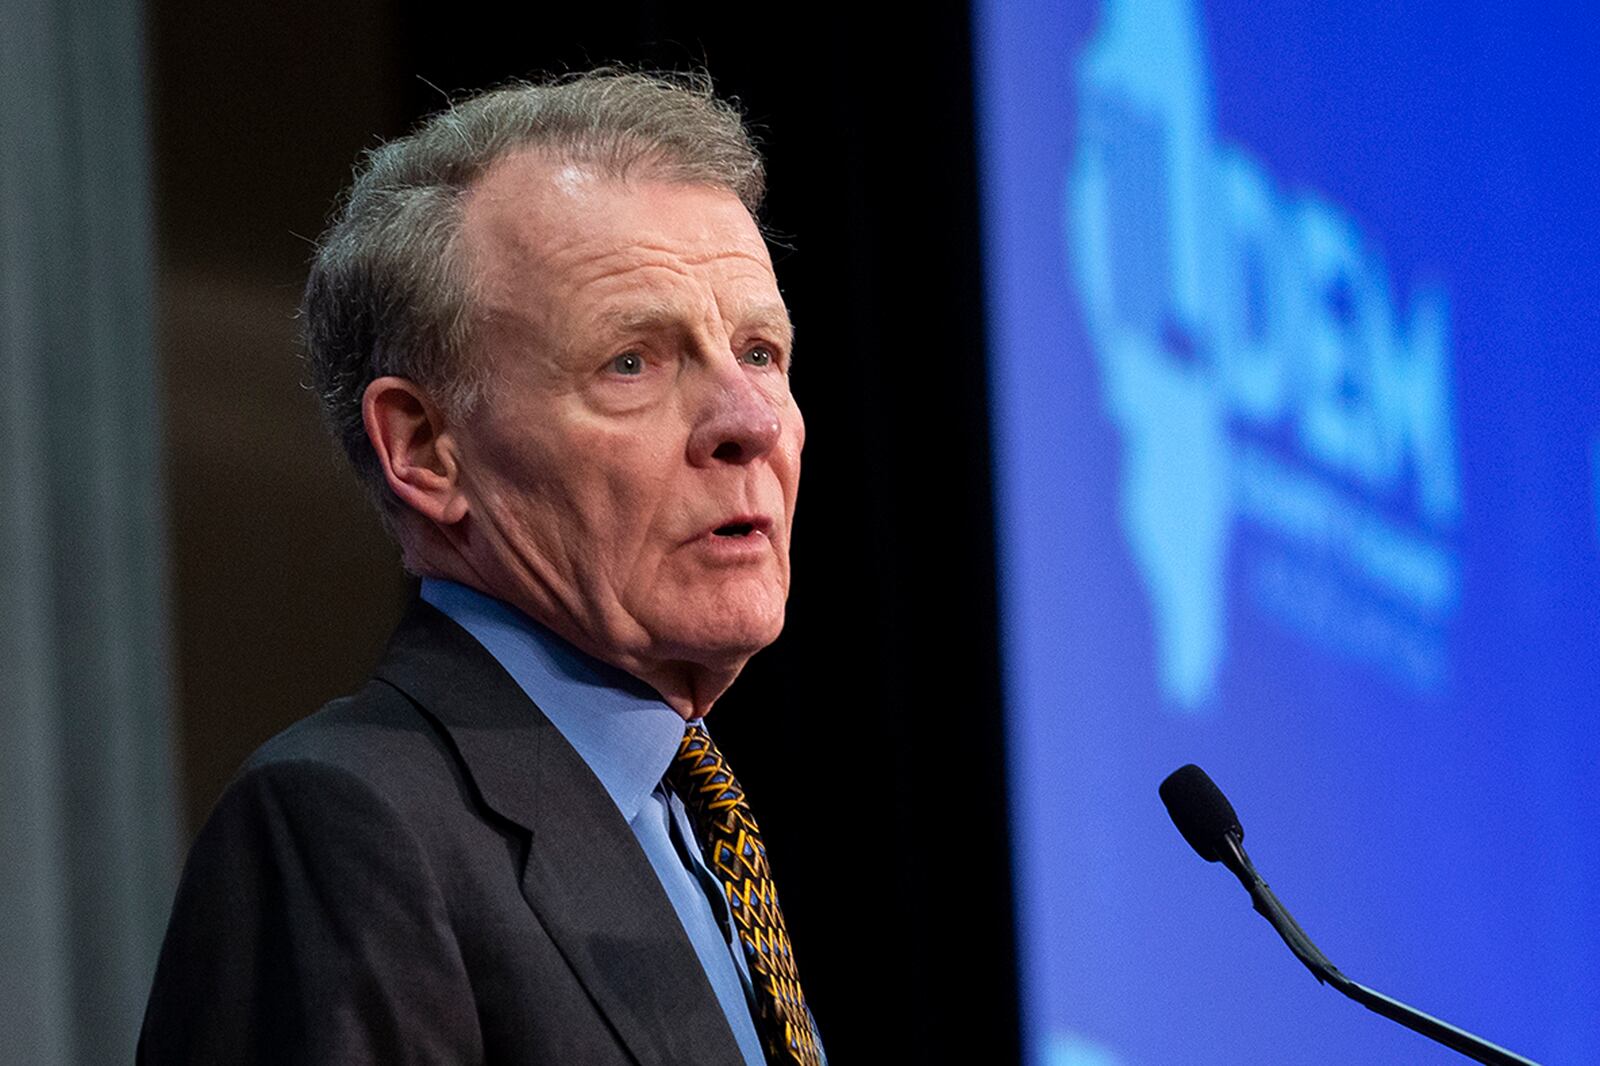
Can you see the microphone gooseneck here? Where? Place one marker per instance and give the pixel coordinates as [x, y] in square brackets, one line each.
[1208, 822]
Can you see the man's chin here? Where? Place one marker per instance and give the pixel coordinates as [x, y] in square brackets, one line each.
[726, 649]
[719, 639]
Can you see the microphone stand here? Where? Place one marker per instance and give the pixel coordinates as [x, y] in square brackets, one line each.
[1266, 904]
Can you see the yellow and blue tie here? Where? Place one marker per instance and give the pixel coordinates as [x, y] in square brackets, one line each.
[731, 844]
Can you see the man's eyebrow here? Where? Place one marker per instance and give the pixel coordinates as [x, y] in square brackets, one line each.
[638, 318]
[645, 318]
[773, 318]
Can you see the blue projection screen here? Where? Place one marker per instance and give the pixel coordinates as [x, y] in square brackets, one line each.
[1297, 431]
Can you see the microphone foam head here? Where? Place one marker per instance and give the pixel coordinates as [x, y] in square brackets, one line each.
[1200, 811]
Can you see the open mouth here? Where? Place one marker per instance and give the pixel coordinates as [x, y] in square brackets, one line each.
[741, 527]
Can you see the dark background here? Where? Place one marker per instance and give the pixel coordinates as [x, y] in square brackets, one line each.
[870, 735]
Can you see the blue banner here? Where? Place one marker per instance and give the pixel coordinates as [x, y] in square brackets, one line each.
[1297, 431]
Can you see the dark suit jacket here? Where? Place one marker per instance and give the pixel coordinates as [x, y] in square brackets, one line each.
[426, 872]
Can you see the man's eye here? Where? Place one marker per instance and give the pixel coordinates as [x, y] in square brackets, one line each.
[628, 364]
[760, 357]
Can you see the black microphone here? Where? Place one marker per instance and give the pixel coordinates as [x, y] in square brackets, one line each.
[1208, 822]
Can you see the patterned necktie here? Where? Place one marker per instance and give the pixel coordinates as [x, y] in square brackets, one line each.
[732, 847]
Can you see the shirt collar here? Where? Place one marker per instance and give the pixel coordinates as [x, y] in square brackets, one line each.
[617, 724]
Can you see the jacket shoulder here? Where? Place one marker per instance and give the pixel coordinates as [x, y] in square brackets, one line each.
[312, 922]
[376, 739]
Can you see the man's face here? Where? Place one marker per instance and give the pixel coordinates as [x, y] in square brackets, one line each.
[632, 471]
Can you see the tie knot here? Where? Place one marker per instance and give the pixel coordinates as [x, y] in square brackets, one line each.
[700, 775]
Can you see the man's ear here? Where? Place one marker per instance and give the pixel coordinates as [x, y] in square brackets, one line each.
[415, 448]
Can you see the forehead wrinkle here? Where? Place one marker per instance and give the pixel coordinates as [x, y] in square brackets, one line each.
[506, 287]
[657, 258]
[648, 301]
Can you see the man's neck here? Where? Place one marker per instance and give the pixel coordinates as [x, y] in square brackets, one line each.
[689, 688]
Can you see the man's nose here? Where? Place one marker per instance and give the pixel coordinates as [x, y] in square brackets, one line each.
[738, 425]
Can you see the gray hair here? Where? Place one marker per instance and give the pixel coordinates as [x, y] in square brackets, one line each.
[389, 290]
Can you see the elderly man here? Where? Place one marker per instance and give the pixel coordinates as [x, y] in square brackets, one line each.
[546, 330]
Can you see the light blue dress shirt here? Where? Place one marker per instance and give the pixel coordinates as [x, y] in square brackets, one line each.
[627, 735]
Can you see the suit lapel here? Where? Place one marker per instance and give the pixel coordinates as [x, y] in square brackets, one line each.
[585, 876]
